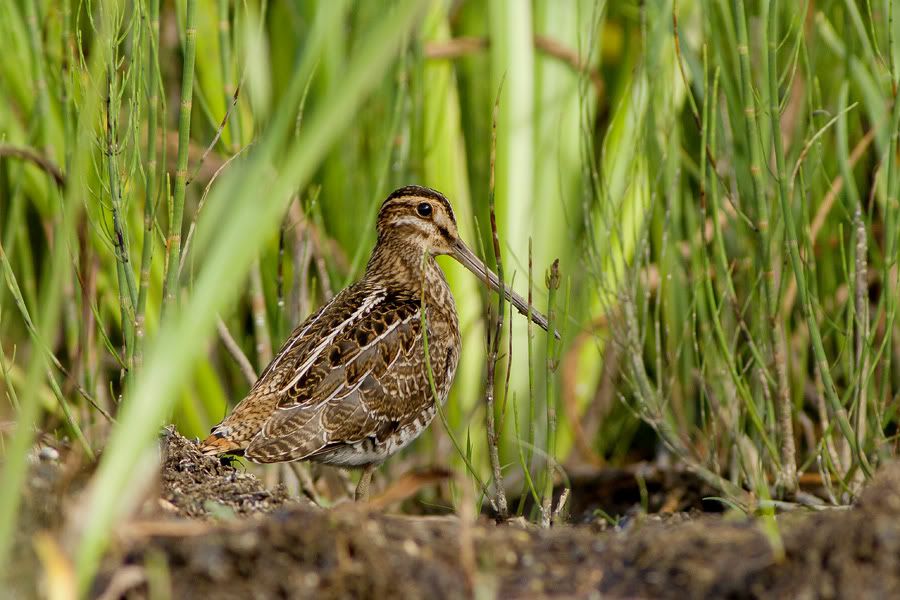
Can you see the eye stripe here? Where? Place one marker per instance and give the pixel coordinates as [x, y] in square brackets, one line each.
[417, 223]
[412, 194]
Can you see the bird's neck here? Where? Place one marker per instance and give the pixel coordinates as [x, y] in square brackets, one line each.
[403, 266]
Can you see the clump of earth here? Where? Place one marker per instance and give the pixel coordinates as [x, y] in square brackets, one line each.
[215, 531]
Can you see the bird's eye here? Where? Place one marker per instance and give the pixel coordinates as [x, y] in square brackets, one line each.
[424, 210]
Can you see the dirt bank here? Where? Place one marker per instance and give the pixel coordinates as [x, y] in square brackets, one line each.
[299, 551]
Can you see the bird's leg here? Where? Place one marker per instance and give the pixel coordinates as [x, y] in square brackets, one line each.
[362, 488]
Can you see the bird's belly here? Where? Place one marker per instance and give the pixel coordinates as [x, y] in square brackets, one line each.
[371, 450]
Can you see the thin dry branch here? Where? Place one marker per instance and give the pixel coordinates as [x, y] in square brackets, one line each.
[35, 158]
[464, 46]
[235, 351]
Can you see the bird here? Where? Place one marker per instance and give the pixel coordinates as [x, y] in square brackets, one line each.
[352, 385]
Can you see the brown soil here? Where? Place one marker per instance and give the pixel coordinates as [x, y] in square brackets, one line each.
[290, 549]
[194, 485]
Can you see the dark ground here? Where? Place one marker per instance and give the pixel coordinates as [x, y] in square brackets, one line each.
[216, 532]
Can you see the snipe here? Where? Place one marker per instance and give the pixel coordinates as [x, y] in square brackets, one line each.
[350, 385]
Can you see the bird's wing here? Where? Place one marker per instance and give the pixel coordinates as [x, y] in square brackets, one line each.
[364, 380]
[298, 355]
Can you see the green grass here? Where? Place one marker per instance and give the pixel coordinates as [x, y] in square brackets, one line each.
[722, 199]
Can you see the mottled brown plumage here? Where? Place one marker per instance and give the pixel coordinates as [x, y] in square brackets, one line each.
[350, 385]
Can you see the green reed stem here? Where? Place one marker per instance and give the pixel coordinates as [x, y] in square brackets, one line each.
[766, 320]
[6, 375]
[494, 337]
[525, 464]
[890, 273]
[860, 297]
[784, 417]
[41, 113]
[806, 306]
[259, 314]
[434, 394]
[708, 140]
[153, 176]
[67, 100]
[173, 241]
[547, 499]
[15, 465]
[228, 83]
[127, 289]
[527, 456]
[13, 286]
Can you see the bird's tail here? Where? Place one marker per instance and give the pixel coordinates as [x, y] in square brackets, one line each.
[217, 444]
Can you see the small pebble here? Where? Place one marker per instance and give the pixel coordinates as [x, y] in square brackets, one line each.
[410, 547]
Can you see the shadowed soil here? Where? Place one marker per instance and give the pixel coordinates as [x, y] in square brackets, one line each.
[288, 548]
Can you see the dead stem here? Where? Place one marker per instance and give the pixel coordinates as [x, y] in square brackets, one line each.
[861, 318]
[493, 339]
[466, 45]
[33, 156]
[235, 351]
[260, 317]
[552, 282]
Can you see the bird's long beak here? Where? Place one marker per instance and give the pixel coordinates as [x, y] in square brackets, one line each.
[468, 259]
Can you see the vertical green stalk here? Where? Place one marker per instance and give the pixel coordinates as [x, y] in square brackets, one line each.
[512, 61]
[803, 294]
[719, 335]
[127, 290]
[173, 241]
[784, 418]
[74, 326]
[7, 377]
[552, 287]
[14, 468]
[891, 282]
[752, 135]
[15, 237]
[41, 113]
[766, 325]
[860, 297]
[152, 182]
[257, 296]
[527, 457]
[423, 314]
[234, 120]
[493, 439]
[68, 104]
[40, 344]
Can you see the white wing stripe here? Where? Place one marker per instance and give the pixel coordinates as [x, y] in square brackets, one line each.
[341, 390]
[300, 335]
[367, 305]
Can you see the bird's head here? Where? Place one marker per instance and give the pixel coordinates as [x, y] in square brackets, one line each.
[422, 218]
[419, 217]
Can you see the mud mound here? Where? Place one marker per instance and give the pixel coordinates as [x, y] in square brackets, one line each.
[201, 486]
[299, 552]
[293, 550]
